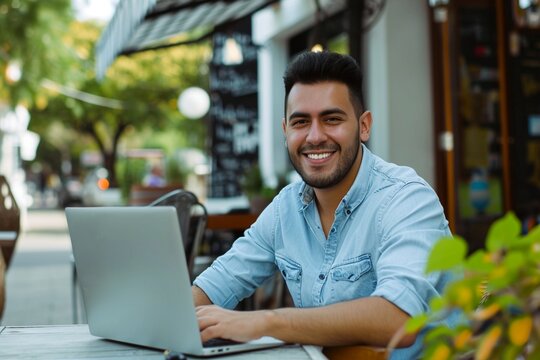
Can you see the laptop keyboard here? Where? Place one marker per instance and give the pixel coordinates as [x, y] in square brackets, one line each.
[219, 342]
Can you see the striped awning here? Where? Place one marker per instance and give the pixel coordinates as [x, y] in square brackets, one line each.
[139, 25]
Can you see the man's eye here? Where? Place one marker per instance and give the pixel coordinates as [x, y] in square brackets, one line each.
[333, 119]
[298, 122]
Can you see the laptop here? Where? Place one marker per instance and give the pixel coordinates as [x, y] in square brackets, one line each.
[134, 279]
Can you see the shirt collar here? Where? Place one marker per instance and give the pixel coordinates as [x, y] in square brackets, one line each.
[360, 187]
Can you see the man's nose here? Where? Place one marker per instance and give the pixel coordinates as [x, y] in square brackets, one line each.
[316, 134]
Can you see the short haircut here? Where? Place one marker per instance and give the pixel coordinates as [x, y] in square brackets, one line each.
[315, 67]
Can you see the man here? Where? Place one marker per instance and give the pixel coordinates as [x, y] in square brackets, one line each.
[351, 240]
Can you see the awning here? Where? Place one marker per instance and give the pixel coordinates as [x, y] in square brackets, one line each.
[152, 23]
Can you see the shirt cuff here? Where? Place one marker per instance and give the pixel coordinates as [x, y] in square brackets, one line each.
[401, 296]
[215, 292]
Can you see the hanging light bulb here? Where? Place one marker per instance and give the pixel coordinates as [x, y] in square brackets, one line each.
[232, 52]
[194, 102]
[440, 10]
[317, 48]
[316, 37]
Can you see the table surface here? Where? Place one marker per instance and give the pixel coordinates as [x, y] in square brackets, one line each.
[75, 342]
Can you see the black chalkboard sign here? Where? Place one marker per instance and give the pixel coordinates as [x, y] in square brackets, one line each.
[234, 113]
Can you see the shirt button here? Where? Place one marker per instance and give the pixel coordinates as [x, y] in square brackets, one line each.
[321, 276]
[348, 212]
[333, 230]
[284, 273]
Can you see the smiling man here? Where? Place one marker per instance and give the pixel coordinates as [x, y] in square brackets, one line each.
[351, 239]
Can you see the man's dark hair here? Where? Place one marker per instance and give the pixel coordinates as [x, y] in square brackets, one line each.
[314, 67]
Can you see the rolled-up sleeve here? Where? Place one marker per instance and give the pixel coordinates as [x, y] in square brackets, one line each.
[409, 224]
[250, 261]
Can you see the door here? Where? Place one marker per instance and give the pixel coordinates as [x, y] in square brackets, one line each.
[470, 115]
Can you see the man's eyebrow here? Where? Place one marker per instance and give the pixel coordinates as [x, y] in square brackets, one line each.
[332, 111]
[299, 114]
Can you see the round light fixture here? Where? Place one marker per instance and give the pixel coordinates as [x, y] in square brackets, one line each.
[194, 102]
[13, 71]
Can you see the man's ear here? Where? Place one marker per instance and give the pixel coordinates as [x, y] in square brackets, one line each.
[365, 122]
[284, 126]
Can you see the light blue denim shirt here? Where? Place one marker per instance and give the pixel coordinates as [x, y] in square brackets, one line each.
[383, 231]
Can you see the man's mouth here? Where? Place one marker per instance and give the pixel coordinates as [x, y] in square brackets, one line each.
[318, 156]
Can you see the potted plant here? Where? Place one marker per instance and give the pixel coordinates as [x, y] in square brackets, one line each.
[497, 297]
[258, 193]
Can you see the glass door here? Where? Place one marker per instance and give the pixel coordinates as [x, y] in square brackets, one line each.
[470, 116]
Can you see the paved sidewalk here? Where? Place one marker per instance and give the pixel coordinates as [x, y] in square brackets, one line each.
[38, 282]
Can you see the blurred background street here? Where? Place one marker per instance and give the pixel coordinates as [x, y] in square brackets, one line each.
[39, 277]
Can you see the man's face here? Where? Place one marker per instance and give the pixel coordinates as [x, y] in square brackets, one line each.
[323, 134]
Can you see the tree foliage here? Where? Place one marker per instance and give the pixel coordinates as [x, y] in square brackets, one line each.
[146, 85]
[32, 36]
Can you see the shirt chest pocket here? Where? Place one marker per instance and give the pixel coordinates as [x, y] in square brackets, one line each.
[292, 273]
[352, 279]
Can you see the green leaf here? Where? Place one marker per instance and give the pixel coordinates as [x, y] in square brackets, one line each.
[503, 233]
[447, 254]
[514, 260]
[501, 278]
[479, 262]
[462, 294]
[437, 304]
[439, 332]
[511, 352]
[416, 323]
[507, 300]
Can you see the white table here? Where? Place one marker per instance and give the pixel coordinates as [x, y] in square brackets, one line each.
[75, 342]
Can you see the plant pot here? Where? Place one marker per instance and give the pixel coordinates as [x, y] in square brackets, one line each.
[258, 203]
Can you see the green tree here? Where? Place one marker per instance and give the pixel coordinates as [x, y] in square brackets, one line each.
[31, 36]
[143, 87]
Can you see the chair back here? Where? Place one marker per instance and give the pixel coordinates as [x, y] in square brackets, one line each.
[192, 218]
[10, 216]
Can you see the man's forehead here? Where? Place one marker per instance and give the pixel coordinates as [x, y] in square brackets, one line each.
[318, 95]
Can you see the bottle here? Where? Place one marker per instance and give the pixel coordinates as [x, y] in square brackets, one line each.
[479, 191]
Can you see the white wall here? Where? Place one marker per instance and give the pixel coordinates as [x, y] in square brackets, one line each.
[397, 84]
[272, 155]
[272, 27]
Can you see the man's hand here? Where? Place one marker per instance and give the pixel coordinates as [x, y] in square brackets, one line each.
[371, 321]
[216, 322]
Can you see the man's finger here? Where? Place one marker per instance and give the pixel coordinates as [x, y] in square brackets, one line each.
[210, 332]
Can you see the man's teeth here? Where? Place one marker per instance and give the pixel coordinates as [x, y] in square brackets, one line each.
[318, 156]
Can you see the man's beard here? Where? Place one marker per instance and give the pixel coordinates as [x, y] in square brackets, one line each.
[335, 177]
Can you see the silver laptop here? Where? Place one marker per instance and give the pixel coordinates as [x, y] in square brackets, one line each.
[132, 271]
